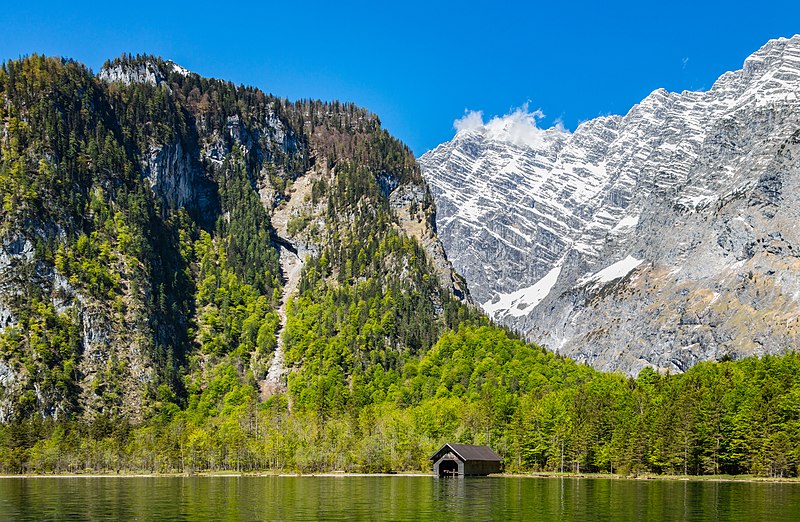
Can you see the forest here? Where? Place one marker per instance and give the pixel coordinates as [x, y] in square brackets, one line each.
[139, 318]
[478, 385]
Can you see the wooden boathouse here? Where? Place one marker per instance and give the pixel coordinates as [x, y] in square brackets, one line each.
[461, 460]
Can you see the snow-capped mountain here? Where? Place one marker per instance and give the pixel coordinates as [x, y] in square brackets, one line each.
[663, 237]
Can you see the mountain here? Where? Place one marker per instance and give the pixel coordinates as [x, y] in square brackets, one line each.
[200, 276]
[660, 238]
[167, 237]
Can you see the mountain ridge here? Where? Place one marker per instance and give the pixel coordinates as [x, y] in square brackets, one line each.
[581, 202]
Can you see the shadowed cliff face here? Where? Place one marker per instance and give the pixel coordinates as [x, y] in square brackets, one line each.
[663, 237]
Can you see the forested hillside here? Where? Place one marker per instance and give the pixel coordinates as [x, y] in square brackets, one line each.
[138, 247]
[199, 276]
[476, 385]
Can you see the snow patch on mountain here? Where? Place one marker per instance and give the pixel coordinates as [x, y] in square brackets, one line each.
[523, 301]
[178, 69]
[612, 272]
[626, 224]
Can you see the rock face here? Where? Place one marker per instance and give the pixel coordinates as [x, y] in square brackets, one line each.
[660, 238]
[178, 180]
[147, 72]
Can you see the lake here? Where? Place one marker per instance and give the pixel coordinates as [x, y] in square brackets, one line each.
[392, 498]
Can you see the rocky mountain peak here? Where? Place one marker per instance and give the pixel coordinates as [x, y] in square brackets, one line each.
[775, 53]
[599, 241]
[128, 70]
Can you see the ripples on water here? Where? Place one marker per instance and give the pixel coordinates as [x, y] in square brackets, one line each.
[392, 498]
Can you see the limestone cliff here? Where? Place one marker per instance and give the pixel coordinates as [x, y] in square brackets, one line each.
[660, 238]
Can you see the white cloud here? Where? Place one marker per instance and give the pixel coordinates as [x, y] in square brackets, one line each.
[471, 120]
[518, 126]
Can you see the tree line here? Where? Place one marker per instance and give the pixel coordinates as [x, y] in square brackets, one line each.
[476, 385]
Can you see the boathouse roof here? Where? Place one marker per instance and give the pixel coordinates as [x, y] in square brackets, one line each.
[469, 452]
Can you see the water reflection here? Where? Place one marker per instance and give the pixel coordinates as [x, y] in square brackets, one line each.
[392, 498]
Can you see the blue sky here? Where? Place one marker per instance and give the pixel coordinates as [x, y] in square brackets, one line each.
[420, 64]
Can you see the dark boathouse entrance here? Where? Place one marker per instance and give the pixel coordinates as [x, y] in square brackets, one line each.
[460, 460]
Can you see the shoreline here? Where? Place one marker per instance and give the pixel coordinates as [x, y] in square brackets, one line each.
[342, 474]
[651, 477]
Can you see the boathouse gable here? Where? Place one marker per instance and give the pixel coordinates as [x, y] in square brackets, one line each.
[465, 460]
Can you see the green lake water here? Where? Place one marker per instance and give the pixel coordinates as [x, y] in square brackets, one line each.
[392, 498]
